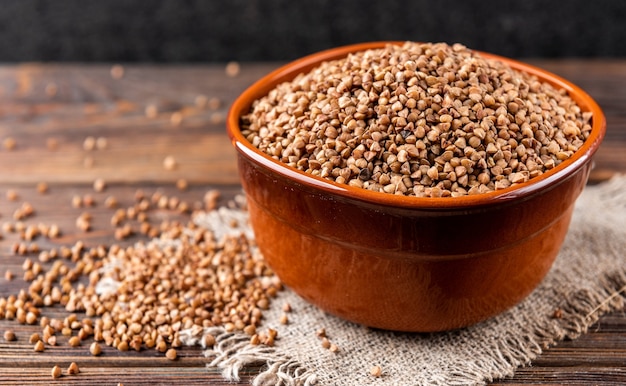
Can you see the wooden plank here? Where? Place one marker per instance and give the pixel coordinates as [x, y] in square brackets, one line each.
[112, 375]
[89, 103]
[68, 103]
[19, 364]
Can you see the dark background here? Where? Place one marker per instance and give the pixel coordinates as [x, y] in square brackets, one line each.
[278, 30]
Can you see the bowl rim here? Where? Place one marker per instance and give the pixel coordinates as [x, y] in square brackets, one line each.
[288, 71]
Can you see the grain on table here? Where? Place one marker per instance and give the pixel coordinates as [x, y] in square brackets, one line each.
[42, 188]
[95, 349]
[39, 346]
[169, 163]
[151, 111]
[99, 185]
[232, 69]
[102, 143]
[171, 354]
[117, 71]
[73, 369]
[9, 336]
[176, 119]
[214, 103]
[147, 321]
[34, 338]
[9, 143]
[89, 143]
[12, 195]
[56, 372]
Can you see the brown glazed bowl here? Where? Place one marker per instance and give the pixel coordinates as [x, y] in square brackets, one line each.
[406, 263]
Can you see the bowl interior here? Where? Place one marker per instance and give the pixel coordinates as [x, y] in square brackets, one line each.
[289, 71]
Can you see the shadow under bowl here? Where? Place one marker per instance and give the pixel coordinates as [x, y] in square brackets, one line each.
[407, 263]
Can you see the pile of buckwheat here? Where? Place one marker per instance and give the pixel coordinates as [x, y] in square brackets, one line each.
[419, 119]
[203, 273]
[174, 266]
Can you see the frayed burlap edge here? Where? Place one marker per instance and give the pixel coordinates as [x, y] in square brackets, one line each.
[576, 313]
[233, 352]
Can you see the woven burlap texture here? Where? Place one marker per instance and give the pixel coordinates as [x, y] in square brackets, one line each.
[587, 280]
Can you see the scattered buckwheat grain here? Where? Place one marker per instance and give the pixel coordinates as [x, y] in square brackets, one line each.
[39, 346]
[211, 198]
[217, 117]
[214, 103]
[169, 163]
[34, 338]
[42, 188]
[95, 349]
[74, 341]
[56, 372]
[111, 202]
[99, 185]
[201, 101]
[151, 111]
[9, 143]
[123, 346]
[249, 330]
[77, 201]
[182, 184]
[89, 143]
[255, 340]
[24, 211]
[83, 222]
[12, 195]
[73, 369]
[232, 69]
[171, 354]
[117, 71]
[209, 340]
[201, 274]
[88, 200]
[176, 118]
[102, 143]
[9, 336]
[376, 371]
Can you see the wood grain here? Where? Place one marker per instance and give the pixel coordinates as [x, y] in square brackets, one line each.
[65, 104]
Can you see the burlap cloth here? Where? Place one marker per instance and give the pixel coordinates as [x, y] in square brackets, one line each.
[587, 280]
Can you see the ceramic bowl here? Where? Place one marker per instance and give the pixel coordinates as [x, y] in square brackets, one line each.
[406, 263]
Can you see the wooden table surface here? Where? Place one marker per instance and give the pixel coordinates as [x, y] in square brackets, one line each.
[48, 115]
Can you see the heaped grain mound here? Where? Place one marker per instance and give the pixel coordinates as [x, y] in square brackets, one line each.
[418, 119]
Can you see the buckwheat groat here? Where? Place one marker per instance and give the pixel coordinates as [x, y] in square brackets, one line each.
[419, 119]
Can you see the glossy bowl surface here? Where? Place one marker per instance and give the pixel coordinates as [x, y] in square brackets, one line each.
[406, 263]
